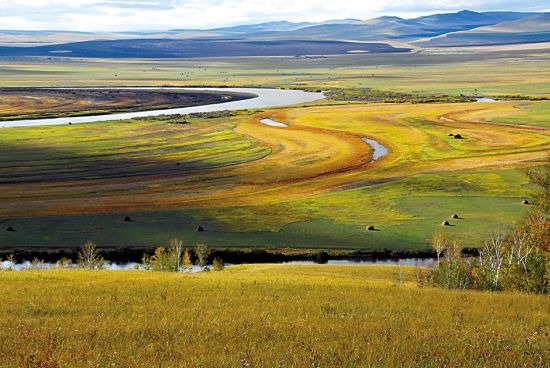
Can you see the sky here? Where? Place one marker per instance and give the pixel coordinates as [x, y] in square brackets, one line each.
[143, 15]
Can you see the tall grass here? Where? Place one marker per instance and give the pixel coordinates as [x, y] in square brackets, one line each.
[263, 316]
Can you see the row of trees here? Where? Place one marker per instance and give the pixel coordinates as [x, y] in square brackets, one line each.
[174, 258]
[177, 258]
[510, 259]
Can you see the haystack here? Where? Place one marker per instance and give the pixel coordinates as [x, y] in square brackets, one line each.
[445, 223]
[458, 136]
[371, 228]
[10, 229]
[127, 219]
[525, 201]
[200, 229]
[455, 216]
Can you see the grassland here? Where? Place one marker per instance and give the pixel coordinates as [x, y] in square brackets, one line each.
[310, 185]
[458, 71]
[258, 316]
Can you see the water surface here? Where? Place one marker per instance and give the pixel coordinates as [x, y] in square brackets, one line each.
[273, 123]
[379, 149]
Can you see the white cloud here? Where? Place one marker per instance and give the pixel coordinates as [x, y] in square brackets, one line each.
[118, 15]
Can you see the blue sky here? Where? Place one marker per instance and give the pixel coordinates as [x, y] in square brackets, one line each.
[121, 15]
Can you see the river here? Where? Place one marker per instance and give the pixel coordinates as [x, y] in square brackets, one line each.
[416, 262]
[265, 97]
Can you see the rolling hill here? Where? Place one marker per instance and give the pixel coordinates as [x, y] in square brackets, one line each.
[283, 38]
[170, 48]
[535, 28]
[388, 28]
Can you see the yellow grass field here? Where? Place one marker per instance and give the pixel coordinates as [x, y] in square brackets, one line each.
[263, 316]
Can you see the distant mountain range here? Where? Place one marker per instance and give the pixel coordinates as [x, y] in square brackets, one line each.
[464, 28]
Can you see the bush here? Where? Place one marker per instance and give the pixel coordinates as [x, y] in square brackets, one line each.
[217, 264]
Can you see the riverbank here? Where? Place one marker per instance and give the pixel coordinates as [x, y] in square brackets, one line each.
[233, 256]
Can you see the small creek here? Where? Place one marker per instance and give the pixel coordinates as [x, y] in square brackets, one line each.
[379, 150]
[273, 123]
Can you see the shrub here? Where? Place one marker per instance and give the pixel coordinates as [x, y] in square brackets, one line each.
[217, 264]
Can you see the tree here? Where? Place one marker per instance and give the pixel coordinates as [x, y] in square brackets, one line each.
[162, 260]
[172, 259]
[541, 178]
[187, 263]
[88, 257]
[537, 221]
[452, 271]
[492, 254]
[202, 252]
[440, 242]
[176, 252]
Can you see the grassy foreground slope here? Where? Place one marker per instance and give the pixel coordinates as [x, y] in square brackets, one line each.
[263, 315]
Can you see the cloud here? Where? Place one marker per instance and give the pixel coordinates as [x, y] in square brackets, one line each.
[120, 15]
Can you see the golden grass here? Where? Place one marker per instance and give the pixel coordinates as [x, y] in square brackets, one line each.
[320, 151]
[263, 316]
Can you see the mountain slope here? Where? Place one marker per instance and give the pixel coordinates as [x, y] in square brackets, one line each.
[535, 28]
[169, 48]
[463, 28]
[467, 19]
[394, 28]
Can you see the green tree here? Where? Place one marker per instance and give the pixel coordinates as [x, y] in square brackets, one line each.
[162, 260]
[202, 252]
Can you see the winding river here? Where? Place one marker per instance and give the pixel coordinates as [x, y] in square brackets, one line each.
[265, 98]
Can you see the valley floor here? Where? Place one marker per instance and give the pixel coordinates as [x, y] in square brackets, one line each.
[311, 184]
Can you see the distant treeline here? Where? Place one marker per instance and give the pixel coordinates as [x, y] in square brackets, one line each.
[184, 118]
[375, 95]
[521, 98]
[380, 96]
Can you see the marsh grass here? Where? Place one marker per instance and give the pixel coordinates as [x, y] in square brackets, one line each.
[263, 315]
